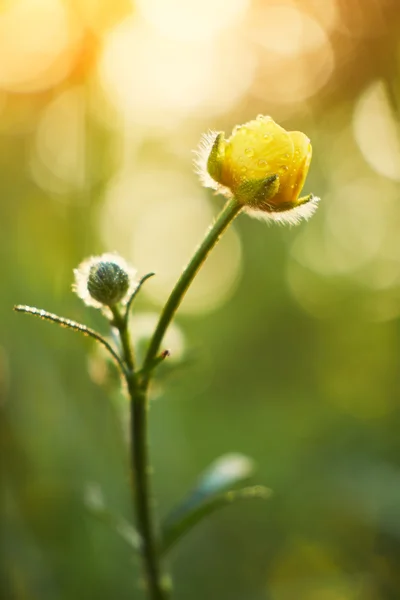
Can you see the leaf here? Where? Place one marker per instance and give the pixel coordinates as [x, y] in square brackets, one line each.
[211, 493]
[69, 324]
[94, 503]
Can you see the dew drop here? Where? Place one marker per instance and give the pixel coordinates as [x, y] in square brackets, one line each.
[267, 137]
[283, 168]
[249, 152]
[243, 170]
[262, 162]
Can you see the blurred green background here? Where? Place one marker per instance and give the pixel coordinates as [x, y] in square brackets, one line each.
[287, 348]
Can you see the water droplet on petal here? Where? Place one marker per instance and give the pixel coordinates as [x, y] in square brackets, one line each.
[262, 162]
[283, 168]
[238, 129]
[268, 137]
[249, 152]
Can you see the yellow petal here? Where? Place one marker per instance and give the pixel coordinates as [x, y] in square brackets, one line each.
[302, 148]
[256, 150]
[296, 173]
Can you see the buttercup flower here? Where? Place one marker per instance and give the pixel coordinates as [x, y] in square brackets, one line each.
[263, 166]
[104, 280]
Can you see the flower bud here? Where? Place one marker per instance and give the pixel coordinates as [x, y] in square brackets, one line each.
[262, 165]
[104, 280]
[107, 283]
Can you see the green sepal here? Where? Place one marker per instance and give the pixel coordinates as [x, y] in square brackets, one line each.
[211, 493]
[216, 158]
[257, 192]
[305, 199]
[284, 206]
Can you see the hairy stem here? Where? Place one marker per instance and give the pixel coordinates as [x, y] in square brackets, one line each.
[69, 324]
[140, 463]
[138, 390]
[226, 216]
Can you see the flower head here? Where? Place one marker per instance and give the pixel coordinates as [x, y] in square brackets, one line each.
[104, 280]
[262, 165]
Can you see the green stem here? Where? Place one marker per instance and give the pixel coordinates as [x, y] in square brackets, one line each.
[157, 582]
[127, 350]
[140, 462]
[226, 216]
[138, 386]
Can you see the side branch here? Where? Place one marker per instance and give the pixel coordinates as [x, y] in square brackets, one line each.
[133, 296]
[69, 324]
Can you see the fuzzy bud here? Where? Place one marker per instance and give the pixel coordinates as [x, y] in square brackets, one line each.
[107, 283]
[104, 280]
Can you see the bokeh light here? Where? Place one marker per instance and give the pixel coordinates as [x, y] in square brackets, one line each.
[162, 231]
[189, 20]
[354, 241]
[142, 327]
[296, 57]
[59, 154]
[151, 81]
[377, 132]
[287, 30]
[37, 43]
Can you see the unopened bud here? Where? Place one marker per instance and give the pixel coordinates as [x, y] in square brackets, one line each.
[104, 280]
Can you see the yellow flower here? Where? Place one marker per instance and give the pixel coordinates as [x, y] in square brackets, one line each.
[263, 166]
